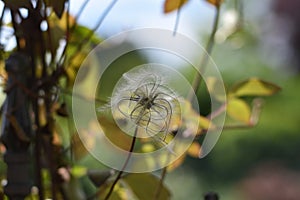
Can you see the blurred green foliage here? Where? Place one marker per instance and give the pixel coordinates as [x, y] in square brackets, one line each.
[276, 138]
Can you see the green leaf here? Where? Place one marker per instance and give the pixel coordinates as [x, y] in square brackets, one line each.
[239, 110]
[98, 177]
[119, 193]
[78, 171]
[81, 32]
[144, 186]
[171, 5]
[254, 87]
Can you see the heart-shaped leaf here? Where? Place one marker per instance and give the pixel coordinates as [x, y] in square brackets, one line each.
[239, 110]
[171, 5]
[254, 87]
[144, 186]
[216, 3]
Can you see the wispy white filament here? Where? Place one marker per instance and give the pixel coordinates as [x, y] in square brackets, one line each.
[145, 100]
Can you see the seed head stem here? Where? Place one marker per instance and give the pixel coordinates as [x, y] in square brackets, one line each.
[124, 166]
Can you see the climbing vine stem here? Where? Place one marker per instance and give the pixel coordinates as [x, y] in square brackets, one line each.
[197, 80]
[204, 59]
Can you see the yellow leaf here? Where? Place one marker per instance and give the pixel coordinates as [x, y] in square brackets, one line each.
[194, 150]
[239, 110]
[204, 122]
[62, 21]
[136, 182]
[78, 149]
[216, 3]
[176, 163]
[83, 140]
[254, 87]
[119, 193]
[42, 114]
[146, 148]
[115, 134]
[77, 60]
[71, 74]
[78, 171]
[171, 5]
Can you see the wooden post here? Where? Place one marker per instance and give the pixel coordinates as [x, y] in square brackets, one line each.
[16, 133]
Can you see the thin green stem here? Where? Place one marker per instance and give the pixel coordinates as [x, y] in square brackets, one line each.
[197, 80]
[177, 18]
[111, 189]
[69, 30]
[204, 59]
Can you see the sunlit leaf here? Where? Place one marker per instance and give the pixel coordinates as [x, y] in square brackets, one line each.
[72, 69]
[194, 150]
[171, 5]
[177, 163]
[118, 193]
[115, 134]
[144, 186]
[254, 87]
[78, 149]
[239, 110]
[78, 171]
[80, 32]
[61, 22]
[42, 114]
[215, 2]
[77, 52]
[204, 123]
[146, 148]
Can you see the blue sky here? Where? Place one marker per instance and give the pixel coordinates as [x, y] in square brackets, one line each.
[129, 14]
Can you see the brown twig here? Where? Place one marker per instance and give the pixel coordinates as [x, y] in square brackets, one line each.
[90, 34]
[160, 184]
